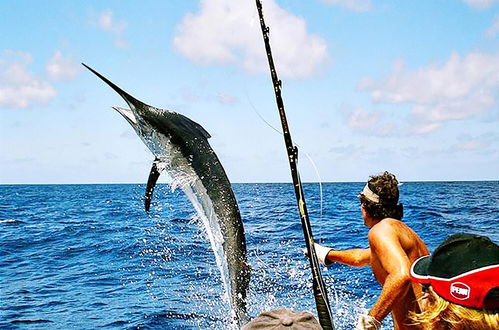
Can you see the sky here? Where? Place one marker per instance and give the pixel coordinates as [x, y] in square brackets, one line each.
[411, 87]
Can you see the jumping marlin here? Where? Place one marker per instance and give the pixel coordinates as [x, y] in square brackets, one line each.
[181, 147]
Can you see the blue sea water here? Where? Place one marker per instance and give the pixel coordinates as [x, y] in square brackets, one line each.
[88, 256]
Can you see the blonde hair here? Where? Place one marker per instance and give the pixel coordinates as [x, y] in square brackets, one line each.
[438, 313]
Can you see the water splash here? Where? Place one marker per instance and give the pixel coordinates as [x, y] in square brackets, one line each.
[197, 195]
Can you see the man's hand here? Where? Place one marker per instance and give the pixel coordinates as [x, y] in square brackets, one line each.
[321, 252]
[367, 322]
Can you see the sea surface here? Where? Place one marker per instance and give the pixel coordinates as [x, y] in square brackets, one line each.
[88, 256]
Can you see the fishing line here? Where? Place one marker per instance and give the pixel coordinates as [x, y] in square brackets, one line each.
[261, 262]
[306, 154]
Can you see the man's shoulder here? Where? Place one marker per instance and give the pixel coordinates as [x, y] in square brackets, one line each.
[385, 228]
[387, 224]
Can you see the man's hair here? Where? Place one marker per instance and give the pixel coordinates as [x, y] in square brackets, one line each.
[386, 187]
[442, 314]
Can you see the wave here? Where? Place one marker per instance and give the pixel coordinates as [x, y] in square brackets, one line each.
[31, 321]
[11, 221]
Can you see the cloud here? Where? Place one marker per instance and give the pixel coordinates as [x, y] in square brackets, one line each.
[20, 88]
[481, 4]
[484, 143]
[471, 145]
[355, 5]
[226, 99]
[106, 22]
[347, 150]
[362, 119]
[460, 88]
[224, 32]
[61, 68]
[369, 122]
[493, 30]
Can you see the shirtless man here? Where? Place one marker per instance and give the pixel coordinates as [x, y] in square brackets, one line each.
[393, 247]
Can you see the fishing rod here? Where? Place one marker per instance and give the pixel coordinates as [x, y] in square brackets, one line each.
[320, 294]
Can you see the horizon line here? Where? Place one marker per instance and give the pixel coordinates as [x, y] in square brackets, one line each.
[255, 182]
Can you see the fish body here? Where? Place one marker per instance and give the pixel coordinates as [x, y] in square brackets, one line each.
[181, 148]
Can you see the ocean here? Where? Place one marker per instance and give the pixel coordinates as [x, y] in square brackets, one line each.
[89, 256]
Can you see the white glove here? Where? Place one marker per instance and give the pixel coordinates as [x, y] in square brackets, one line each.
[321, 252]
[367, 322]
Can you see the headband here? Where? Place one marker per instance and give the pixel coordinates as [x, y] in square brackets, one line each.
[369, 194]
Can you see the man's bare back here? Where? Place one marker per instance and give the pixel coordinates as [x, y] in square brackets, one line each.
[394, 247]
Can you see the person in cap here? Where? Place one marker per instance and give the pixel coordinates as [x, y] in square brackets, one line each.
[461, 284]
[393, 246]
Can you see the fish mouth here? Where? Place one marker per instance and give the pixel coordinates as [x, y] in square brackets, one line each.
[128, 115]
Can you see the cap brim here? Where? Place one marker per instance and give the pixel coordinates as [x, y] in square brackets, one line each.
[419, 270]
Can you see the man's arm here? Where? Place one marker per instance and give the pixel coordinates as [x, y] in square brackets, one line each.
[353, 257]
[386, 248]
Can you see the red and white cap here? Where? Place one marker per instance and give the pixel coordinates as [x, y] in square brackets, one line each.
[464, 269]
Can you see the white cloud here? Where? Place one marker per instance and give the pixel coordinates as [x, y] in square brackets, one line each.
[425, 127]
[481, 4]
[460, 88]
[494, 29]
[483, 143]
[355, 5]
[60, 67]
[228, 32]
[106, 22]
[471, 145]
[347, 150]
[363, 119]
[369, 123]
[226, 99]
[20, 88]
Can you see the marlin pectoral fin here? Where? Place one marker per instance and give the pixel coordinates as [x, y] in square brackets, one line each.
[156, 170]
